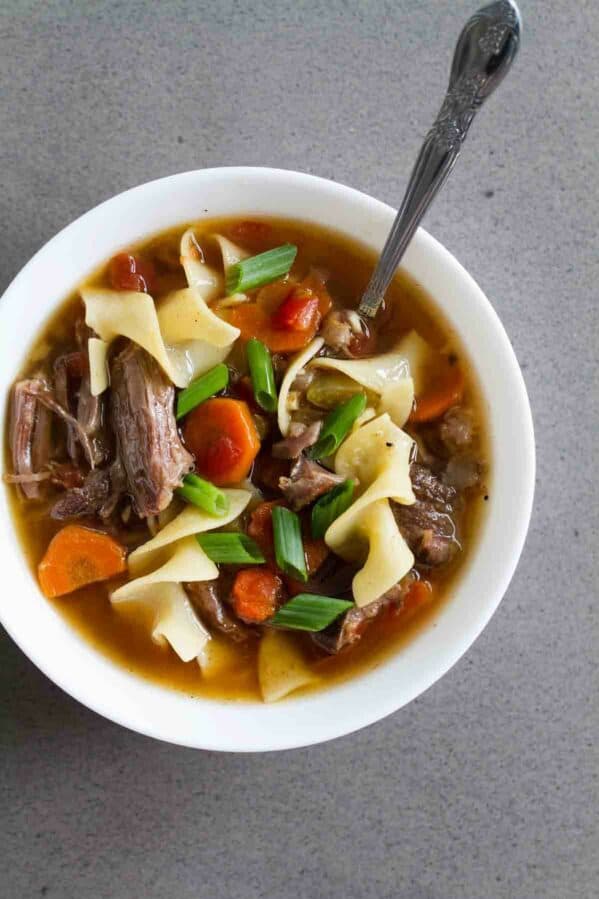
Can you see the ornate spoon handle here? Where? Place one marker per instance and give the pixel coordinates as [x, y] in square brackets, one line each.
[483, 55]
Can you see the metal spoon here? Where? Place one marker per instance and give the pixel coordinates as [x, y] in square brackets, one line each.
[484, 53]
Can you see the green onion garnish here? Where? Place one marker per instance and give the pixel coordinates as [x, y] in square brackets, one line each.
[203, 494]
[234, 549]
[259, 270]
[214, 380]
[331, 506]
[263, 376]
[310, 612]
[289, 549]
[336, 425]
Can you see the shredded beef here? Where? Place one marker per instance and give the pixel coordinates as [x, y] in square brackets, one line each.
[147, 441]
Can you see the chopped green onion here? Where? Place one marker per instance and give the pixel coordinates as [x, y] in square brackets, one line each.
[259, 270]
[263, 376]
[289, 549]
[204, 494]
[336, 425]
[331, 506]
[310, 612]
[214, 380]
[234, 549]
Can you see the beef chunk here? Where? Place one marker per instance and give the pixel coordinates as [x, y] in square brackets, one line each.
[300, 438]
[457, 429]
[30, 437]
[98, 495]
[427, 525]
[143, 419]
[462, 472]
[207, 599]
[346, 333]
[348, 629]
[307, 481]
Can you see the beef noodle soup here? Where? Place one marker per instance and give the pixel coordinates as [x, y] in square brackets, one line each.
[231, 483]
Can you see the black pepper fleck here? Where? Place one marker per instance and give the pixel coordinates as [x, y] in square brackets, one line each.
[486, 497]
[388, 444]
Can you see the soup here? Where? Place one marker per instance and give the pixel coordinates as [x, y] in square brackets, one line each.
[229, 481]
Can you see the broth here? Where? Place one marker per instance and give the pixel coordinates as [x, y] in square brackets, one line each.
[123, 636]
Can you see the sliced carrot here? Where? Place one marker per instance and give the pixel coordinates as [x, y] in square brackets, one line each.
[438, 399]
[222, 436]
[78, 556]
[253, 321]
[256, 594]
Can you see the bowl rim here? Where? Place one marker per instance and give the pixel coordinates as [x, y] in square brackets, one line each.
[309, 719]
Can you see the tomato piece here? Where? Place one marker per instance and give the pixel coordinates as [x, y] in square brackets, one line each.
[260, 526]
[222, 437]
[298, 312]
[128, 272]
[251, 234]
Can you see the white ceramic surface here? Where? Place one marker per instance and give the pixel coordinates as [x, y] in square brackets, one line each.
[90, 677]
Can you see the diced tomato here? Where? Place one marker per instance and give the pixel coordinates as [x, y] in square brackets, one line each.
[256, 594]
[316, 283]
[315, 553]
[298, 312]
[222, 436]
[251, 234]
[260, 526]
[128, 272]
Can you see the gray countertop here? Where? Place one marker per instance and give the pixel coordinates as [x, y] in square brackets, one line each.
[484, 786]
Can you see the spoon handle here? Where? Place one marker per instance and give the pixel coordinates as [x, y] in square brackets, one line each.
[436, 159]
[483, 55]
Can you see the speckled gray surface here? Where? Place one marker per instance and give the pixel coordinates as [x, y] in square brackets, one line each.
[486, 785]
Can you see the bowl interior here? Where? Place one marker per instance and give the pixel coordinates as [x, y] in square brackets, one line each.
[83, 672]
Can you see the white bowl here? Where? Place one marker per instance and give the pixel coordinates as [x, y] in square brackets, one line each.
[97, 682]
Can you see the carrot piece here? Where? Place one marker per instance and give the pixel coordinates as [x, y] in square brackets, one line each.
[78, 556]
[445, 394]
[253, 321]
[256, 594]
[222, 436]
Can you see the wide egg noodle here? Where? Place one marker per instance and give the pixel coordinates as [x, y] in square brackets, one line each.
[128, 313]
[282, 667]
[388, 375]
[191, 520]
[184, 315]
[173, 620]
[378, 457]
[231, 252]
[97, 351]
[298, 362]
[205, 280]
[187, 562]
